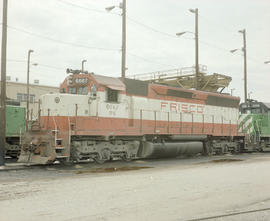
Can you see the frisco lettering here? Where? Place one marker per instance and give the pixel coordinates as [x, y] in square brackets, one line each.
[186, 108]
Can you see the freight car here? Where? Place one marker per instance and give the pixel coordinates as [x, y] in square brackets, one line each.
[15, 127]
[254, 121]
[102, 118]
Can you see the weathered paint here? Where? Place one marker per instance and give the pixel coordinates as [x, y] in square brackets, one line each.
[134, 115]
[15, 121]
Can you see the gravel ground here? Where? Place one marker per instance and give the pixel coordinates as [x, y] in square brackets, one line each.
[176, 189]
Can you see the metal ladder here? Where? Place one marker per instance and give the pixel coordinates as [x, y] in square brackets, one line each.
[58, 143]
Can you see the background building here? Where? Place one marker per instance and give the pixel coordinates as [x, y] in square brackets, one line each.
[18, 91]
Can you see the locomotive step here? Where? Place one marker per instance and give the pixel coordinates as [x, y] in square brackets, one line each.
[59, 148]
[61, 157]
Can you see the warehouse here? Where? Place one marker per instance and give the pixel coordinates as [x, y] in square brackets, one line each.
[18, 91]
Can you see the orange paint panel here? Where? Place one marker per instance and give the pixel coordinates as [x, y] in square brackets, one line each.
[115, 126]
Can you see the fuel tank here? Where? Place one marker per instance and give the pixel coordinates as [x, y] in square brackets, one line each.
[168, 150]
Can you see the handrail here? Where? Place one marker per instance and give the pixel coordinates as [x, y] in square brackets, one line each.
[55, 133]
[157, 75]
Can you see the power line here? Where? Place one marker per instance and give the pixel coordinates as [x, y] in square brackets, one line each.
[111, 49]
[129, 18]
[81, 7]
[86, 8]
[229, 30]
[16, 60]
[150, 28]
[49, 66]
[154, 29]
[39, 64]
[138, 23]
[221, 26]
[228, 51]
[149, 60]
[61, 42]
[59, 68]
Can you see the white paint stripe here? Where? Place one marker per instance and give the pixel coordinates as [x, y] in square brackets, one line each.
[101, 108]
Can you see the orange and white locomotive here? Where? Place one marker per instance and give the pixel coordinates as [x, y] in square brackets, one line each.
[100, 118]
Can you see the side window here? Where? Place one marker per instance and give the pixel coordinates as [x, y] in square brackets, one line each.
[23, 97]
[112, 95]
[20, 97]
[83, 90]
[32, 98]
[72, 90]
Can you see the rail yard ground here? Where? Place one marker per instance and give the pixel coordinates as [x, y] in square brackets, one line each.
[173, 189]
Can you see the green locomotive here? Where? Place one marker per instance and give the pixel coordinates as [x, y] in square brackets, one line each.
[15, 127]
[254, 121]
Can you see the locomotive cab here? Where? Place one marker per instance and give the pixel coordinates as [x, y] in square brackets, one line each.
[255, 123]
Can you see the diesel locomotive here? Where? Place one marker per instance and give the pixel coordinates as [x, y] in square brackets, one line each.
[102, 118]
[254, 121]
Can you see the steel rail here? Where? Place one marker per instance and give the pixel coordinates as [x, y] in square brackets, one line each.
[228, 214]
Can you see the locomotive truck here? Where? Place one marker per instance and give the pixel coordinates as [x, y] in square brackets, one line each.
[102, 118]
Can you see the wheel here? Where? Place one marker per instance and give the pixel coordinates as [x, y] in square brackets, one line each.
[208, 149]
[236, 150]
[99, 160]
[103, 156]
[126, 158]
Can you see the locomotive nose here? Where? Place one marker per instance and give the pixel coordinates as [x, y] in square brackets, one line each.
[37, 147]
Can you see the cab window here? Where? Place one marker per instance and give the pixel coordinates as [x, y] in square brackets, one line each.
[112, 95]
[83, 90]
[72, 90]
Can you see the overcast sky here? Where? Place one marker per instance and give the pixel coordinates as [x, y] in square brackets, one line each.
[45, 27]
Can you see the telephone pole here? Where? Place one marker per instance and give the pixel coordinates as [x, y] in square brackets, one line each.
[244, 50]
[245, 62]
[28, 95]
[196, 12]
[196, 34]
[123, 72]
[197, 48]
[3, 85]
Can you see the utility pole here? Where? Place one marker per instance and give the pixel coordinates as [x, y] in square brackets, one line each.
[123, 73]
[197, 48]
[245, 62]
[27, 101]
[3, 85]
[244, 50]
[123, 7]
[196, 12]
[196, 33]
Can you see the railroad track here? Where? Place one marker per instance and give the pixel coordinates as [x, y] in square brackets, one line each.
[229, 214]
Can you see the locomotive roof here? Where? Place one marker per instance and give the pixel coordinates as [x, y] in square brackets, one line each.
[110, 82]
[255, 104]
[149, 89]
[267, 105]
[138, 86]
